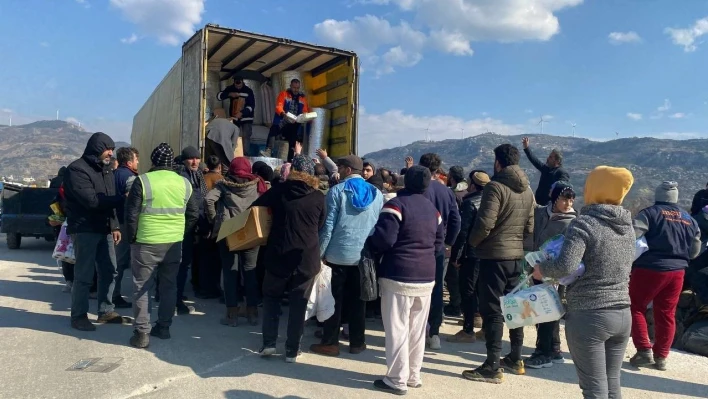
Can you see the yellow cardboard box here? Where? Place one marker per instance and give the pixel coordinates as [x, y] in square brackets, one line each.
[247, 230]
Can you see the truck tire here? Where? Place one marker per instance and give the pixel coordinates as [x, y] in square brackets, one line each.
[14, 241]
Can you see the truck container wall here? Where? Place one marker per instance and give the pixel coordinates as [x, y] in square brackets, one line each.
[160, 118]
[193, 85]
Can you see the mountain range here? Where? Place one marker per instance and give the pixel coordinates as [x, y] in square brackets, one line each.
[650, 160]
[40, 148]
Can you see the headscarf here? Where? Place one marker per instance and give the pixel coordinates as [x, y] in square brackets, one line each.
[241, 167]
[284, 172]
[302, 164]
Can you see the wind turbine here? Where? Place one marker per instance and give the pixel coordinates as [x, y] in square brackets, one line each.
[427, 134]
[617, 134]
[541, 122]
[573, 125]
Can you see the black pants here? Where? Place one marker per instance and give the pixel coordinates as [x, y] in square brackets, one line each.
[453, 283]
[299, 288]
[209, 268]
[345, 284]
[291, 132]
[185, 265]
[469, 275]
[214, 148]
[547, 334]
[496, 279]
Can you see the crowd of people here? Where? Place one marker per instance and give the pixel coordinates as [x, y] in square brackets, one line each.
[425, 229]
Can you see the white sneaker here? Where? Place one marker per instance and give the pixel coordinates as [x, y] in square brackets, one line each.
[434, 343]
[67, 286]
[293, 359]
[266, 352]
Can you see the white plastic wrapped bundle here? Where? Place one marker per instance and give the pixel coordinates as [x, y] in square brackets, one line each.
[256, 87]
[319, 133]
[267, 103]
[213, 87]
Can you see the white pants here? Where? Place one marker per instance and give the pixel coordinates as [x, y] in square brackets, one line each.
[405, 319]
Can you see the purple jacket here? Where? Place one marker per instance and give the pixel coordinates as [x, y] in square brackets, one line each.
[407, 234]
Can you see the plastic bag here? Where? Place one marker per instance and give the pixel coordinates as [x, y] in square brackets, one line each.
[551, 250]
[64, 248]
[367, 276]
[640, 247]
[530, 306]
[321, 301]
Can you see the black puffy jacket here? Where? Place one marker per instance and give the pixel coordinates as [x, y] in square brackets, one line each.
[468, 213]
[90, 190]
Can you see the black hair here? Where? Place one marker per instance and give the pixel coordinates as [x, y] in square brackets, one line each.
[213, 162]
[404, 170]
[320, 170]
[263, 170]
[457, 173]
[295, 81]
[430, 161]
[126, 154]
[373, 168]
[507, 155]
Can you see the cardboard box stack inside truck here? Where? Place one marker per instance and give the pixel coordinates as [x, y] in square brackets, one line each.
[180, 107]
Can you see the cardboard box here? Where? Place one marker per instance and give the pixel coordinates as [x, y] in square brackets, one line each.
[247, 230]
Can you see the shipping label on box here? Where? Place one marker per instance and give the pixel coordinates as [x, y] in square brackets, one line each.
[246, 230]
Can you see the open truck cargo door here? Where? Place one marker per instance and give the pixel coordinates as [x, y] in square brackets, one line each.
[215, 55]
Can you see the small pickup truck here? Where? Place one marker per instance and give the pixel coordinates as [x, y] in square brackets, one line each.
[24, 213]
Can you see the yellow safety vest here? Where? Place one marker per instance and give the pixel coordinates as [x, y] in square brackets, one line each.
[165, 197]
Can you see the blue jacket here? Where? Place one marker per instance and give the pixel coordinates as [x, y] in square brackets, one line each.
[121, 175]
[353, 208]
[446, 203]
[672, 235]
[407, 234]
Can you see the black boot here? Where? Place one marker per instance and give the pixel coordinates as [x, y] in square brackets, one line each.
[140, 340]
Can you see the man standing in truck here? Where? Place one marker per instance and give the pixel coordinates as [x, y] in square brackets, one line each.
[291, 101]
[242, 107]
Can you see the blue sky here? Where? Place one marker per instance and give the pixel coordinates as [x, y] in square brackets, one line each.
[451, 66]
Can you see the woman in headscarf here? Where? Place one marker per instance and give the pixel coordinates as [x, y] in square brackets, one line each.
[292, 258]
[598, 322]
[229, 198]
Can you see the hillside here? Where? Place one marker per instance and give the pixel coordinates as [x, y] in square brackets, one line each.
[650, 160]
[40, 148]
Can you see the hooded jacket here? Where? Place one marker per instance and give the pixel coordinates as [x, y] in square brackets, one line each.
[468, 212]
[228, 198]
[353, 208]
[298, 210]
[549, 175]
[603, 239]
[134, 205]
[90, 190]
[548, 224]
[505, 217]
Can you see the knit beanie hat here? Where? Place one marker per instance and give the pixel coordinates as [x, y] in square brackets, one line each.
[667, 192]
[163, 156]
[561, 188]
[608, 185]
[417, 179]
[303, 164]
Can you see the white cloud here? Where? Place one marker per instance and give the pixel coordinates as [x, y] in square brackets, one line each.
[396, 127]
[44, 44]
[448, 26]
[84, 3]
[74, 121]
[665, 107]
[681, 135]
[170, 21]
[6, 110]
[618, 38]
[528, 111]
[687, 37]
[678, 115]
[633, 116]
[129, 40]
[367, 36]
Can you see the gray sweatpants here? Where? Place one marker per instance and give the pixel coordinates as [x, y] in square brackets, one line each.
[597, 340]
[149, 261]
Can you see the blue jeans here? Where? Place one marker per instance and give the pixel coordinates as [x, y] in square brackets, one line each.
[233, 263]
[94, 252]
[436, 301]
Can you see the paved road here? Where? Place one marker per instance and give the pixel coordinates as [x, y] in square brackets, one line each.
[207, 360]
